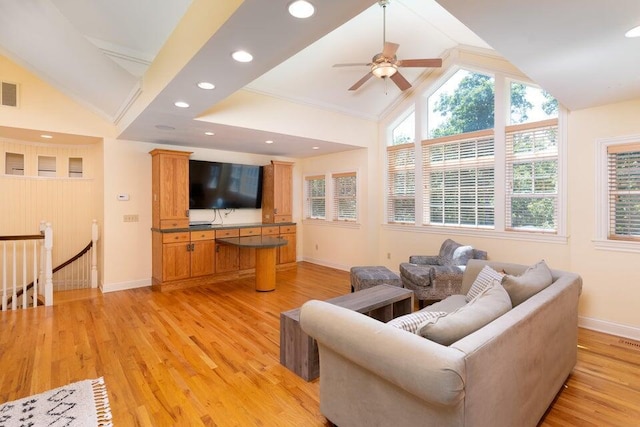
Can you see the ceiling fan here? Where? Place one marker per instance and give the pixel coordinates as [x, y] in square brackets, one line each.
[385, 64]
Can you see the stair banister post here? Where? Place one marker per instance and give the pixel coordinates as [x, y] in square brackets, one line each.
[48, 271]
[94, 253]
[43, 226]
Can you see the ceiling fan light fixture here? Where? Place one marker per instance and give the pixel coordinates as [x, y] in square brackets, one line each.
[384, 69]
[301, 9]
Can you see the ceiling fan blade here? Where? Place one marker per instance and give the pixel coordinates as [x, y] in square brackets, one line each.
[400, 81]
[429, 63]
[390, 49]
[352, 64]
[362, 81]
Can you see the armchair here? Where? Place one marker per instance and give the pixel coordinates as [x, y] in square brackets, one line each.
[435, 277]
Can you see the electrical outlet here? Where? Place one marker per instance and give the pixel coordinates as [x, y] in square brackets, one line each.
[130, 218]
[388, 255]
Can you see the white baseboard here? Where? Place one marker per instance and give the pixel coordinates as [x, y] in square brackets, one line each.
[121, 286]
[327, 264]
[609, 327]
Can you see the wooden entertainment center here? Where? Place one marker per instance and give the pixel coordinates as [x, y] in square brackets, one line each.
[183, 255]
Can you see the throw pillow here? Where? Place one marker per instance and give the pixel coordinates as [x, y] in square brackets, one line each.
[483, 279]
[462, 255]
[529, 283]
[490, 304]
[410, 322]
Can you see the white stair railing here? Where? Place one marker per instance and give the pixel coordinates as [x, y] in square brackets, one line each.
[22, 284]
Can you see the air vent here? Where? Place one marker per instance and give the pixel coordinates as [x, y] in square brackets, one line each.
[9, 94]
[628, 343]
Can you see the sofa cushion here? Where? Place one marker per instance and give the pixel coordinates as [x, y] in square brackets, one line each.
[529, 283]
[490, 304]
[483, 279]
[449, 304]
[410, 322]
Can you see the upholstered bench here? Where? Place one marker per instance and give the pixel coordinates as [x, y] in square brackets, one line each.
[369, 276]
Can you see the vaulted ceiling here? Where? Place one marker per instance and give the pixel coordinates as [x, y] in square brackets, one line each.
[99, 53]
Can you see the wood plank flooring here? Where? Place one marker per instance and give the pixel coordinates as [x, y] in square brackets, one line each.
[210, 356]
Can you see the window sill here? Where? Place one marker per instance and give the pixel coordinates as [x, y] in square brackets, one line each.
[616, 245]
[483, 233]
[325, 223]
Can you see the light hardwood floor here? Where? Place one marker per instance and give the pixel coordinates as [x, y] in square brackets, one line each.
[210, 356]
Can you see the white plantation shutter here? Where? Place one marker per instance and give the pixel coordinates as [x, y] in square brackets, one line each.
[75, 167]
[458, 177]
[401, 184]
[532, 176]
[46, 166]
[623, 165]
[315, 197]
[345, 204]
[14, 164]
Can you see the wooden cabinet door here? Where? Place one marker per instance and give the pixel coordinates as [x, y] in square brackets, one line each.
[227, 258]
[287, 254]
[174, 187]
[283, 187]
[176, 261]
[202, 258]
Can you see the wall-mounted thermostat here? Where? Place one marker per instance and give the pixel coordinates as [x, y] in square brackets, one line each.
[123, 197]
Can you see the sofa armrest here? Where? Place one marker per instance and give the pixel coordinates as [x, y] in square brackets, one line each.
[430, 371]
[424, 259]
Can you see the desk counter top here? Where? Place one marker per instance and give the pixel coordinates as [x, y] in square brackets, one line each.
[201, 227]
[254, 241]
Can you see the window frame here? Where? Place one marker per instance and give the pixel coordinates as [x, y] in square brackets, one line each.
[502, 80]
[308, 210]
[336, 197]
[602, 241]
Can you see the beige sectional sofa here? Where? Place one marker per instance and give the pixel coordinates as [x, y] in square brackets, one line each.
[506, 373]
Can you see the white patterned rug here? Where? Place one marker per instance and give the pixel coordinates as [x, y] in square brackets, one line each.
[84, 403]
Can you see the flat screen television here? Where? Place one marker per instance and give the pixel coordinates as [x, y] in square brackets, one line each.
[216, 185]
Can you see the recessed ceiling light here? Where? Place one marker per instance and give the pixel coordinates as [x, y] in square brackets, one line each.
[165, 127]
[316, 148]
[634, 32]
[181, 104]
[301, 9]
[268, 141]
[206, 85]
[209, 133]
[242, 56]
[45, 136]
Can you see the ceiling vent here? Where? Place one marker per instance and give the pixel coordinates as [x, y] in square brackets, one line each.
[9, 94]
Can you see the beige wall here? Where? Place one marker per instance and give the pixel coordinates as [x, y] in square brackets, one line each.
[337, 244]
[610, 292]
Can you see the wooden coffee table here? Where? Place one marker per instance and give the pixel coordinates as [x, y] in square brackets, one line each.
[299, 352]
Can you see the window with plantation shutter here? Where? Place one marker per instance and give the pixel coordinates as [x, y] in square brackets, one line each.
[532, 176]
[315, 197]
[458, 177]
[75, 167]
[401, 184]
[46, 166]
[14, 164]
[345, 203]
[623, 167]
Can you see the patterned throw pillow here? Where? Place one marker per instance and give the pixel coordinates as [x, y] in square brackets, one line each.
[410, 322]
[484, 279]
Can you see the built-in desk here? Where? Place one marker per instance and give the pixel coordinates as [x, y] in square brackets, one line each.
[265, 247]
